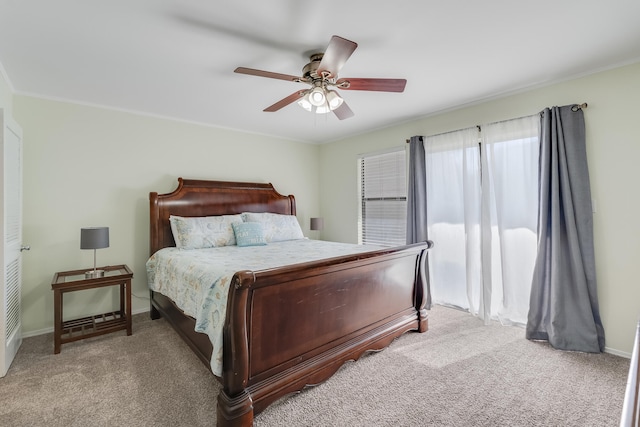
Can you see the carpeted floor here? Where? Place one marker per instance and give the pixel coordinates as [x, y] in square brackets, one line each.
[460, 373]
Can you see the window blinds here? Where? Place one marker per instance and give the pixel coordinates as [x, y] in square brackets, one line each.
[383, 198]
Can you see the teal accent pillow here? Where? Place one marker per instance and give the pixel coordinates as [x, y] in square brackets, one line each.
[249, 234]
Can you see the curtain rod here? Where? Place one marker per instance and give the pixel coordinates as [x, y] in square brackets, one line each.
[574, 107]
[577, 107]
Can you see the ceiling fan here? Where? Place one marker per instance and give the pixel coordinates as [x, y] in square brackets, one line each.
[321, 73]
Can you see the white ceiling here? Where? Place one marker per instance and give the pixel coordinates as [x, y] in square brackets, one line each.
[175, 58]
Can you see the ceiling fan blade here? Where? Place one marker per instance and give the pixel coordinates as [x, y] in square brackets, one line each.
[337, 53]
[343, 111]
[285, 101]
[269, 74]
[380, 85]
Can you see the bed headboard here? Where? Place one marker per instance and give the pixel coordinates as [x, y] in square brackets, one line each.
[207, 198]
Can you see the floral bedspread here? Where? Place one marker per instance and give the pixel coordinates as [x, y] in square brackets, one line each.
[197, 280]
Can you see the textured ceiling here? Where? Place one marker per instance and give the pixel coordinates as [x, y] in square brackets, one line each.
[176, 59]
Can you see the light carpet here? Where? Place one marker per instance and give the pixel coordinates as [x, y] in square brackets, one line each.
[459, 373]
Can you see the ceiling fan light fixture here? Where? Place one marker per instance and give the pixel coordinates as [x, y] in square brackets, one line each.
[304, 102]
[330, 100]
[323, 109]
[317, 96]
[333, 99]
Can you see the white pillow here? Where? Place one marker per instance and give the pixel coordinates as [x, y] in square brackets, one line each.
[277, 227]
[203, 232]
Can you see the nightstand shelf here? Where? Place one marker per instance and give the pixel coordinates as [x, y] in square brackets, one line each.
[91, 326]
[73, 330]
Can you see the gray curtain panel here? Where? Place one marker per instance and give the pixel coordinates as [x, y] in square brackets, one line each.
[564, 303]
[417, 192]
[417, 201]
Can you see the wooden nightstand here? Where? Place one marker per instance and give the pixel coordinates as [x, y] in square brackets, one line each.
[78, 329]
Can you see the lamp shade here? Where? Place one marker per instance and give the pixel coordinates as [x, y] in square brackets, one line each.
[317, 96]
[94, 237]
[333, 99]
[317, 223]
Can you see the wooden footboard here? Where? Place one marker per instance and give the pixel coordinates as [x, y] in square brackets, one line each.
[290, 328]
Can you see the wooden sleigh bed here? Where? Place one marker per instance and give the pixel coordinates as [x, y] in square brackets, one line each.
[374, 297]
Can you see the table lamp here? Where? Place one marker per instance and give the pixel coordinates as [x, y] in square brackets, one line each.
[317, 224]
[94, 238]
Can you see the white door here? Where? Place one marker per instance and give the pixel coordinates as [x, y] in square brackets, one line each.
[11, 213]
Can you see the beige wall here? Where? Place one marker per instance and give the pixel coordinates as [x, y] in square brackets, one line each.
[86, 166]
[613, 146]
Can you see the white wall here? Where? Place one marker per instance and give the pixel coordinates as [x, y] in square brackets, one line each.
[613, 149]
[88, 166]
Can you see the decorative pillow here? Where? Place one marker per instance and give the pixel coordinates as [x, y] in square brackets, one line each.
[203, 232]
[277, 227]
[249, 234]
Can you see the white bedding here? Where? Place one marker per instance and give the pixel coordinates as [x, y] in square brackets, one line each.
[204, 275]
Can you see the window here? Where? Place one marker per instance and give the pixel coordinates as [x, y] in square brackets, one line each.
[482, 211]
[383, 198]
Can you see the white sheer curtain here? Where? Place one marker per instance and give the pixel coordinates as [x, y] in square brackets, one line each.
[481, 214]
[510, 213]
[453, 217]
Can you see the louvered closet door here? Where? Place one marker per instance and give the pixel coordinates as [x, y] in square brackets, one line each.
[11, 211]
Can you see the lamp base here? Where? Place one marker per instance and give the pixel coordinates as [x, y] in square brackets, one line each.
[92, 274]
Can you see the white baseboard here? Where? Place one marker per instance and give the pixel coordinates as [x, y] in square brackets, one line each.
[50, 329]
[141, 310]
[617, 352]
[37, 332]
